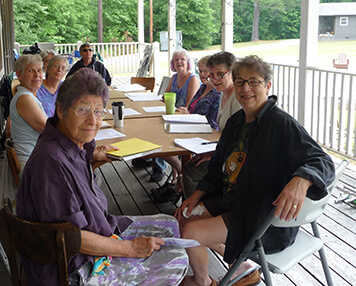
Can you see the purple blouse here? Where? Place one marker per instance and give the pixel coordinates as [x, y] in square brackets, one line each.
[48, 99]
[208, 105]
[58, 185]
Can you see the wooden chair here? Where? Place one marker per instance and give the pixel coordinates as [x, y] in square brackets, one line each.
[148, 82]
[14, 163]
[38, 242]
[342, 62]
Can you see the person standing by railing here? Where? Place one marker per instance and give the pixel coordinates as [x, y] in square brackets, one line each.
[88, 61]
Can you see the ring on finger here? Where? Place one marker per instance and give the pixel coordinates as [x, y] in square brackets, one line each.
[294, 206]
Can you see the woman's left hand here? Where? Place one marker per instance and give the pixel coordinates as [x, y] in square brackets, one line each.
[290, 201]
[100, 153]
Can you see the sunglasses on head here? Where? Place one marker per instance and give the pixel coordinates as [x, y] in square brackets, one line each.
[87, 50]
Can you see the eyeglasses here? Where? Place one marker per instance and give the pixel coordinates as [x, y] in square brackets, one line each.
[251, 82]
[211, 76]
[204, 71]
[87, 50]
[84, 111]
[63, 68]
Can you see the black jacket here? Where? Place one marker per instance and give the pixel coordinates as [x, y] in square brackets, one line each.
[279, 149]
[94, 65]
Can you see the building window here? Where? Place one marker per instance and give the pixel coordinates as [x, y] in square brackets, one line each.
[344, 21]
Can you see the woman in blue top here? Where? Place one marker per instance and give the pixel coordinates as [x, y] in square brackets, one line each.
[184, 83]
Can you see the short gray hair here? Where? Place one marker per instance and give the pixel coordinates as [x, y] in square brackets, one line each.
[254, 63]
[203, 60]
[22, 62]
[84, 81]
[221, 58]
[190, 65]
[58, 58]
[44, 54]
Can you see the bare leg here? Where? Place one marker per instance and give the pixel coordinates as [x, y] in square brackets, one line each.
[176, 165]
[206, 235]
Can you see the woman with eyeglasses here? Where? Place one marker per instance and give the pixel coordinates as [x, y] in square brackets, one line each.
[47, 93]
[58, 185]
[264, 159]
[88, 61]
[28, 117]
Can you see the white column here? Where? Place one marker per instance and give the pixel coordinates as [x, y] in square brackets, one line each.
[308, 53]
[155, 61]
[140, 21]
[171, 31]
[227, 33]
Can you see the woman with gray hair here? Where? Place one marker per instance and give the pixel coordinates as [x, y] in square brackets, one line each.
[264, 158]
[28, 117]
[58, 185]
[47, 93]
[184, 83]
[46, 57]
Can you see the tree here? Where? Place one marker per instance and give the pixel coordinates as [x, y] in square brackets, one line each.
[256, 21]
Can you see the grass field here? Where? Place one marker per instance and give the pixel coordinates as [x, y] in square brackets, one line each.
[282, 52]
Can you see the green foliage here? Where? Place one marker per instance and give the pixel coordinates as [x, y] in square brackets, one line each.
[279, 19]
[195, 18]
[62, 21]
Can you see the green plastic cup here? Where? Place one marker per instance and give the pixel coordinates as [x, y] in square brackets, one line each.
[170, 101]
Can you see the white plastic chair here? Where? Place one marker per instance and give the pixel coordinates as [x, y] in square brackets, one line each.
[304, 245]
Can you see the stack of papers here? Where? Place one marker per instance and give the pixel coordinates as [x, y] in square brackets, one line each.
[133, 148]
[104, 124]
[143, 96]
[108, 134]
[130, 87]
[196, 145]
[186, 123]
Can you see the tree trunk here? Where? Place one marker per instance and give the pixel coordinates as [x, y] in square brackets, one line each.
[100, 21]
[256, 21]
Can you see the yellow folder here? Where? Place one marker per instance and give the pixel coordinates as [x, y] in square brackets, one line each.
[133, 148]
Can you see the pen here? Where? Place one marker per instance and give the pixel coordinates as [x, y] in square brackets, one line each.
[211, 142]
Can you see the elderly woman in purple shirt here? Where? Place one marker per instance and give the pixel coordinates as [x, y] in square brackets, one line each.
[58, 184]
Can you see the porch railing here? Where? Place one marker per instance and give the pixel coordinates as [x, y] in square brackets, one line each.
[333, 94]
[118, 58]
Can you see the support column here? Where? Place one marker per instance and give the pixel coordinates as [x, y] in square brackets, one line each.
[227, 31]
[308, 53]
[172, 43]
[140, 21]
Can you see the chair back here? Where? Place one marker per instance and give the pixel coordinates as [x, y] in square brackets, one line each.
[147, 82]
[164, 84]
[38, 242]
[14, 163]
[46, 46]
[342, 58]
[312, 209]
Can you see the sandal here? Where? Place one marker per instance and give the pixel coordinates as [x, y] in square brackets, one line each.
[254, 278]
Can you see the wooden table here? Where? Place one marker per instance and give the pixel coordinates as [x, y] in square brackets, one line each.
[138, 106]
[151, 129]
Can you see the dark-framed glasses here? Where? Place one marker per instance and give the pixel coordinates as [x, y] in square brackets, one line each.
[251, 82]
[211, 76]
[87, 50]
[85, 110]
[63, 68]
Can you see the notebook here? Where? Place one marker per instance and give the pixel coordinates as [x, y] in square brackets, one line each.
[133, 148]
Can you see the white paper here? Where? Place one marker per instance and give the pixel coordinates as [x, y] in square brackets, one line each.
[143, 96]
[154, 108]
[181, 242]
[130, 111]
[185, 118]
[195, 145]
[188, 128]
[130, 87]
[108, 134]
[104, 124]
